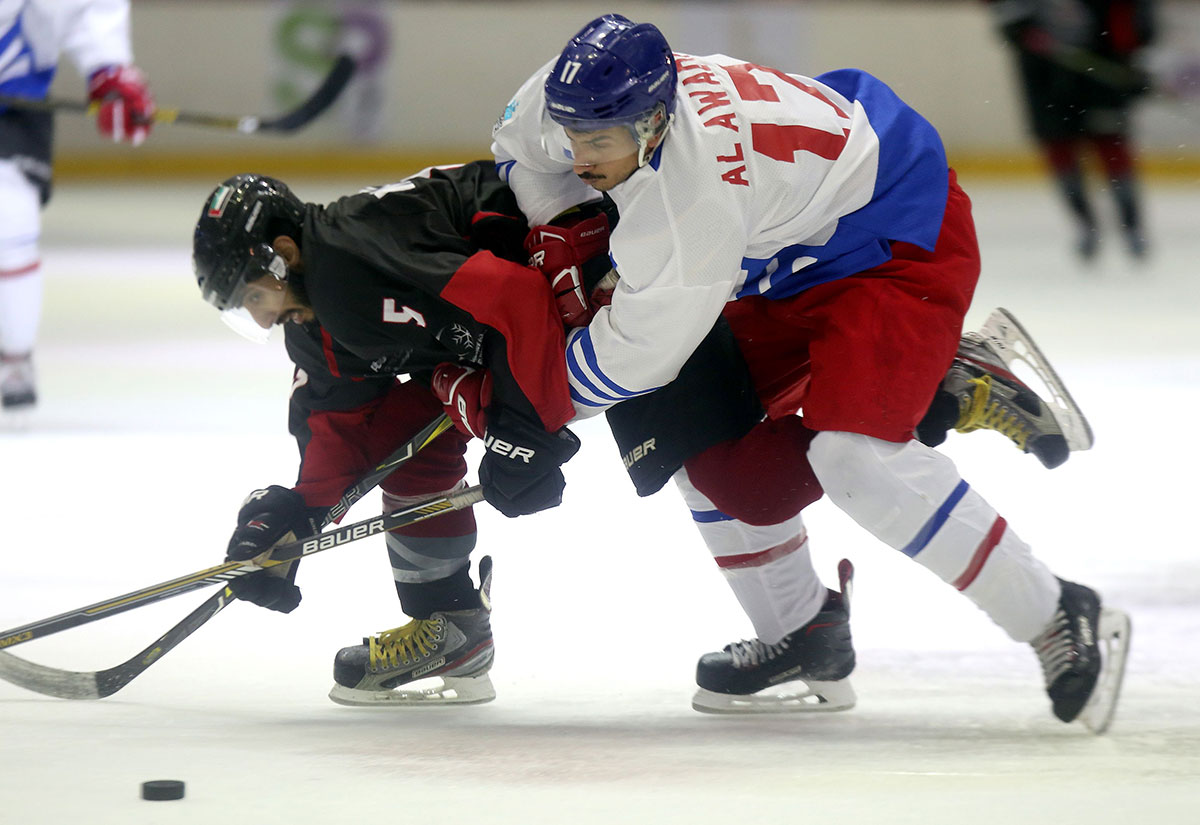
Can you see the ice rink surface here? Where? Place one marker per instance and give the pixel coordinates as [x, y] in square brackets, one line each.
[156, 421]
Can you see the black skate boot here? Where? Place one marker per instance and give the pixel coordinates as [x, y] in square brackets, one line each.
[804, 671]
[981, 392]
[1083, 681]
[18, 384]
[442, 660]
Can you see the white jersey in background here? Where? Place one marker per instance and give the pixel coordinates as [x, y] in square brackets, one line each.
[34, 34]
[766, 184]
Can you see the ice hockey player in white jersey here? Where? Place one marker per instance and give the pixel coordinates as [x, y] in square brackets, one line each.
[34, 36]
[818, 216]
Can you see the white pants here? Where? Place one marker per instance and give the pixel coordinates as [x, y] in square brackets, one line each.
[908, 496]
[20, 264]
[912, 498]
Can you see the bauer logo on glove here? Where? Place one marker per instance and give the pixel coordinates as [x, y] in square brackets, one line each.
[562, 253]
[465, 393]
[502, 447]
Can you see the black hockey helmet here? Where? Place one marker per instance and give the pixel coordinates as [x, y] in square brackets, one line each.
[232, 243]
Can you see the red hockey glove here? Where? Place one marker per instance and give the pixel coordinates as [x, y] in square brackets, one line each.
[466, 393]
[603, 293]
[560, 252]
[126, 104]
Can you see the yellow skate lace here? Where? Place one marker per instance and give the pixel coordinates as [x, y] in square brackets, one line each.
[981, 413]
[404, 645]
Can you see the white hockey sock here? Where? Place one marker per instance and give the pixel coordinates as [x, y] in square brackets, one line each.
[20, 309]
[912, 498]
[20, 270]
[768, 567]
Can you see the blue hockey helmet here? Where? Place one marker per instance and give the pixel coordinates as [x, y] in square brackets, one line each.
[614, 72]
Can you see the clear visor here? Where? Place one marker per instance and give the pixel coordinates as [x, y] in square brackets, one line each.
[588, 142]
[256, 304]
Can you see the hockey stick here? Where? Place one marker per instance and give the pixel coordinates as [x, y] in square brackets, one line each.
[95, 685]
[280, 554]
[320, 100]
[1119, 76]
[69, 684]
[1107, 72]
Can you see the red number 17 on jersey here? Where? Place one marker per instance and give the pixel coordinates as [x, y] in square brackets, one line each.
[778, 140]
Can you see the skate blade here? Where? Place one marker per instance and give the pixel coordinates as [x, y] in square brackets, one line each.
[450, 690]
[797, 697]
[1014, 345]
[1114, 634]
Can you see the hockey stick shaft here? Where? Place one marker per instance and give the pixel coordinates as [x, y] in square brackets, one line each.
[320, 100]
[1106, 72]
[67, 684]
[232, 569]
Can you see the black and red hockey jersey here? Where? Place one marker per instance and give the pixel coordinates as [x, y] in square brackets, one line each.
[402, 278]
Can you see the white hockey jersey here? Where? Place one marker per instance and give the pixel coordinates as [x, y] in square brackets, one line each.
[34, 34]
[766, 184]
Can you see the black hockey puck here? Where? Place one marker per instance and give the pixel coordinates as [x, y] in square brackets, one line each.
[160, 789]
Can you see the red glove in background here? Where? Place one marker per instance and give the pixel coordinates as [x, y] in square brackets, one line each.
[559, 252]
[465, 392]
[126, 104]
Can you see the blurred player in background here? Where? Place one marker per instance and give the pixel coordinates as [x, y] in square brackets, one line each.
[820, 218]
[34, 35]
[1080, 73]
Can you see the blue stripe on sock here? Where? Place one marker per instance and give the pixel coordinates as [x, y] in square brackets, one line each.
[709, 516]
[930, 528]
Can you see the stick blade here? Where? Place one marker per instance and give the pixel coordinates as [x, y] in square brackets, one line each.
[320, 100]
[48, 681]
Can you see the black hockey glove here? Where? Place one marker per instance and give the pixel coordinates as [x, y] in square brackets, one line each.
[519, 472]
[267, 518]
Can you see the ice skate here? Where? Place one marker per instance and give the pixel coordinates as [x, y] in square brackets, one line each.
[805, 671]
[442, 660]
[18, 384]
[1087, 243]
[1135, 241]
[1083, 651]
[981, 392]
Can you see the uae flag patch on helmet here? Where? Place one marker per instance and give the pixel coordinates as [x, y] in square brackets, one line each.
[216, 206]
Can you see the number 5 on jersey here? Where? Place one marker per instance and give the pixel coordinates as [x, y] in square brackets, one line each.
[403, 315]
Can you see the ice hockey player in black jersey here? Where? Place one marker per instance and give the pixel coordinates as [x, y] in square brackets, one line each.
[386, 283]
